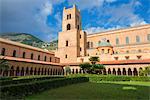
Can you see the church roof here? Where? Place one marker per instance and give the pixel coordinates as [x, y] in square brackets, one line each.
[104, 43]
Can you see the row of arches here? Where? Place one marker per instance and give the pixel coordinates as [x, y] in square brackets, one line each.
[30, 71]
[113, 71]
[123, 71]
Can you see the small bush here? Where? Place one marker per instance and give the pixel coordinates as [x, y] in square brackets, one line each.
[23, 89]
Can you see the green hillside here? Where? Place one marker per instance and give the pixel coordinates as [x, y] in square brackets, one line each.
[29, 39]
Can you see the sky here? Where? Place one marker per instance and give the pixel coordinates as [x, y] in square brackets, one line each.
[42, 18]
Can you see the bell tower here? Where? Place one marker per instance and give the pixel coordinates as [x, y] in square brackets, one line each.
[69, 38]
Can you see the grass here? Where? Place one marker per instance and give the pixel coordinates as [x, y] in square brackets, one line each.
[97, 91]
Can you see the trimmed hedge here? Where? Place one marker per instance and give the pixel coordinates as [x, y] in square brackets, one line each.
[23, 89]
[5, 78]
[95, 78]
[26, 79]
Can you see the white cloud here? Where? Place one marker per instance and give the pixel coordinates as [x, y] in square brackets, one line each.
[89, 4]
[91, 30]
[58, 18]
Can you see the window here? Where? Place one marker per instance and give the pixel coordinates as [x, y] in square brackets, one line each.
[45, 58]
[88, 45]
[139, 57]
[127, 40]
[127, 51]
[137, 39]
[127, 57]
[80, 36]
[23, 55]
[78, 27]
[148, 37]
[3, 52]
[116, 58]
[117, 41]
[31, 55]
[91, 44]
[65, 56]
[38, 57]
[69, 16]
[50, 59]
[108, 41]
[14, 53]
[108, 50]
[66, 43]
[80, 49]
[68, 26]
[102, 51]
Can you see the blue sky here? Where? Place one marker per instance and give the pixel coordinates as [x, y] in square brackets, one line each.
[42, 18]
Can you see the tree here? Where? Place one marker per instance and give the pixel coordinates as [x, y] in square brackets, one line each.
[67, 70]
[86, 67]
[93, 60]
[145, 72]
[4, 65]
[97, 68]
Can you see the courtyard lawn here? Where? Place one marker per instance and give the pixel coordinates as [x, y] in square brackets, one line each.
[97, 91]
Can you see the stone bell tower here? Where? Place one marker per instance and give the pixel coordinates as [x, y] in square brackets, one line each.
[69, 39]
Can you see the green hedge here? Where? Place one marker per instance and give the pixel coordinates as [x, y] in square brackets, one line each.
[95, 78]
[5, 78]
[26, 79]
[23, 89]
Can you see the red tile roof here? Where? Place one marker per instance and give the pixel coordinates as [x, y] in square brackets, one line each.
[30, 61]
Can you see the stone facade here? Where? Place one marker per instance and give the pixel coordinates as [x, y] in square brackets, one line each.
[27, 60]
[120, 46]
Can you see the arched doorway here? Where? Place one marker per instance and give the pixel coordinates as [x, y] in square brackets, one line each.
[27, 71]
[104, 71]
[31, 71]
[124, 71]
[39, 71]
[22, 71]
[129, 71]
[42, 71]
[119, 71]
[76, 71]
[35, 72]
[72, 71]
[109, 71]
[17, 71]
[114, 71]
[45, 71]
[12, 71]
[135, 72]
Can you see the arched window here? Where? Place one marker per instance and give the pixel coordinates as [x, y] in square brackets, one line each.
[23, 55]
[91, 44]
[3, 52]
[31, 55]
[38, 57]
[45, 58]
[108, 41]
[66, 43]
[137, 39]
[117, 41]
[66, 56]
[50, 59]
[68, 26]
[14, 53]
[127, 40]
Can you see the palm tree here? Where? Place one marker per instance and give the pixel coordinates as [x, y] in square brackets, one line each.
[93, 60]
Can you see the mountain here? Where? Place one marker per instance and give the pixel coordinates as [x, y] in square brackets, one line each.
[24, 38]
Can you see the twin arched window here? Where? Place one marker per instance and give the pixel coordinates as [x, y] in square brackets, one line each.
[68, 26]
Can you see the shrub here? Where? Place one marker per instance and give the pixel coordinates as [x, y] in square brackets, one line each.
[26, 79]
[23, 89]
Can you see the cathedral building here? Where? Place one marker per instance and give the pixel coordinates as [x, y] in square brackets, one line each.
[122, 51]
